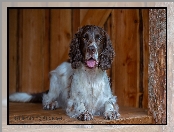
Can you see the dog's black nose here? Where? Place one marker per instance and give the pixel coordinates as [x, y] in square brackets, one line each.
[91, 49]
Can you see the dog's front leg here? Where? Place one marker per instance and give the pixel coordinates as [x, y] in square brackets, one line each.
[111, 111]
[49, 100]
[85, 116]
[78, 111]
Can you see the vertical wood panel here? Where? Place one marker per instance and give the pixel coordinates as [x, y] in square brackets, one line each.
[12, 49]
[157, 65]
[141, 61]
[19, 52]
[60, 36]
[145, 14]
[54, 38]
[66, 34]
[32, 67]
[75, 20]
[125, 25]
[96, 17]
[45, 49]
[82, 14]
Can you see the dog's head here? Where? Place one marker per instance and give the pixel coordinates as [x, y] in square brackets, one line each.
[92, 47]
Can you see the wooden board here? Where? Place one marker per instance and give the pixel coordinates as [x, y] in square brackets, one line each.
[45, 50]
[83, 13]
[125, 37]
[75, 21]
[13, 39]
[145, 15]
[39, 42]
[31, 50]
[29, 113]
[60, 36]
[96, 17]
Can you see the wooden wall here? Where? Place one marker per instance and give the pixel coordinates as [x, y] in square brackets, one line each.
[39, 41]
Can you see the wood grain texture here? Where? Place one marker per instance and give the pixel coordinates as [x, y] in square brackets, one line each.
[83, 13]
[145, 14]
[126, 40]
[54, 38]
[32, 50]
[13, 39]
[75, 20]
[96, 17]
[45, 49]
[29, 113]
[60, 36]
[157, 66]
[39, 42]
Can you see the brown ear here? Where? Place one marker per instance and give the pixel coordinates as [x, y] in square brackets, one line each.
[107, 54]
[75, 53]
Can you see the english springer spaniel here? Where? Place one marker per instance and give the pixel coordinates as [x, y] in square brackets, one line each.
[81, 86]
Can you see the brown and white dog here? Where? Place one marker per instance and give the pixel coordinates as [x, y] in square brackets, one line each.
[81, 86]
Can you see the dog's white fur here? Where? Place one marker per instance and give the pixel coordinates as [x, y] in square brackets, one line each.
[80, 89]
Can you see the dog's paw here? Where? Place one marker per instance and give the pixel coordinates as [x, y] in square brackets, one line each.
[85, 116]
[111, 115]
[50, 106]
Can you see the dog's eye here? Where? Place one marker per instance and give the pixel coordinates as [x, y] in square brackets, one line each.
[97, 37]
[85, 37]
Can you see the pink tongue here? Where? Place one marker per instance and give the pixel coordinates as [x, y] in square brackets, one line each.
[91, 63]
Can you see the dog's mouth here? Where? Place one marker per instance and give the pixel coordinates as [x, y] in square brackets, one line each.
[91, 63]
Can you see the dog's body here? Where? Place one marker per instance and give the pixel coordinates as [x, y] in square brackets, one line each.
[82, 86]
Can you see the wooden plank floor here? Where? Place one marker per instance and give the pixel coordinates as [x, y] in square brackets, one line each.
[30, 113]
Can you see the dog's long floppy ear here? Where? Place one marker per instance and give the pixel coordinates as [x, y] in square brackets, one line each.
[75, 53]
[107, 54]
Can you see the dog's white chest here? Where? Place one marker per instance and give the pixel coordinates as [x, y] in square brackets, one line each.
[88, 87]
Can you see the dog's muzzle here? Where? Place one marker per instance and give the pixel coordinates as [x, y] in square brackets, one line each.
[91, 57]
